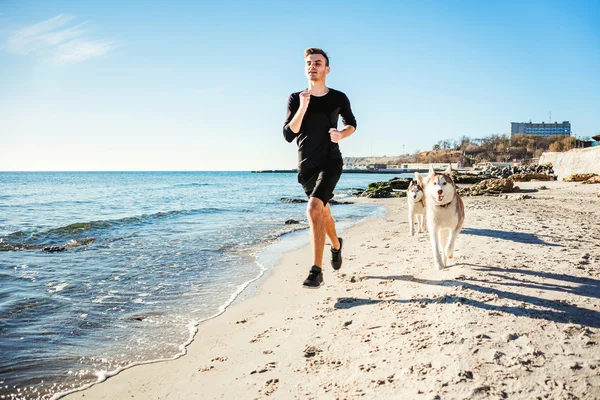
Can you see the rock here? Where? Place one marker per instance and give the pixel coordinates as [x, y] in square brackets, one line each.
[377, 190]
[593, 179]
[291, 221]
[400, 183]
[518, 197]
[530, 177]
[335, 202]
[376, 194]
[469, 178]
[71, 244]
[579, 177]
[489, 186]
[541, 188]
[391, 188]
[284, 200]
[54, 249]
[497, 172]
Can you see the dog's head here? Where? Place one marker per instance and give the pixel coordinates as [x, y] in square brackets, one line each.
[415, 189]
[440, 188]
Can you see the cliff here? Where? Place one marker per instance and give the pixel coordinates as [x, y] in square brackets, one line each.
[577, 161]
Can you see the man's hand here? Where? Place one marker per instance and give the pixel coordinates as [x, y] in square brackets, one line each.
[335, 135]
[304, 99]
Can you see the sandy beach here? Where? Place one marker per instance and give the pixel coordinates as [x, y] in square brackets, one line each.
[516, 316]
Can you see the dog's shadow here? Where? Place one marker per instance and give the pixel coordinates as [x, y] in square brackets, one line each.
[512, 280]
[519, 237]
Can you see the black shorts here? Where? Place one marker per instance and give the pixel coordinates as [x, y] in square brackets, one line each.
[320, 182]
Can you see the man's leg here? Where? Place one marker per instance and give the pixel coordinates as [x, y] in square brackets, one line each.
[330, 227]
[315, 212]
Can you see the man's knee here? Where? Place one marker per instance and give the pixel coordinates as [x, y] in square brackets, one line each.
[315, 208]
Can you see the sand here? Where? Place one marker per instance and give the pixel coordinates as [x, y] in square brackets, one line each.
[516, 316]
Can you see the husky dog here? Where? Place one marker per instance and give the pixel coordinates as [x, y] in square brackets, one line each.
[416, 206]
[445, 214]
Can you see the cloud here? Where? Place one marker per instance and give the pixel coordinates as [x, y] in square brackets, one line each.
[59, 40]
[80, 50]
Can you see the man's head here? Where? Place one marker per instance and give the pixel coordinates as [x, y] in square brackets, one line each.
[316, 64]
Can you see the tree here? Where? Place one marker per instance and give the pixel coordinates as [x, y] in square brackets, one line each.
[463, 143]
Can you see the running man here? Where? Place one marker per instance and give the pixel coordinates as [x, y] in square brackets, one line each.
[312, 119]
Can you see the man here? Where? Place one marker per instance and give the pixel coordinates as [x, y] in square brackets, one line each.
[312, 119]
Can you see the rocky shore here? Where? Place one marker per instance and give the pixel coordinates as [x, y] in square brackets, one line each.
[490, 181]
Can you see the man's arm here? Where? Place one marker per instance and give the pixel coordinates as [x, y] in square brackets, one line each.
[347, 119]
[336, 135]
[295, 114]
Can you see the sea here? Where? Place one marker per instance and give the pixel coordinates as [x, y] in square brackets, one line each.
[102, 271]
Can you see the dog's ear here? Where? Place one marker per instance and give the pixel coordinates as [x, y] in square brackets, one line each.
[419, 178]
[448, 170]
[431, 170]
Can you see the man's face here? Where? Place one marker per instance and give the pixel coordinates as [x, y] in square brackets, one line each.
[315, 67]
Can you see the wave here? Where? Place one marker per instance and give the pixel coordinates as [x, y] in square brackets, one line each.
[81, 233]
[71, 244]
[79, 227]
[191, 184]
[245, 246]
[192, 328]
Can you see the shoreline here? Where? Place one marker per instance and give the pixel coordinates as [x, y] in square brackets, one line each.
[520, 305]
[290, 241]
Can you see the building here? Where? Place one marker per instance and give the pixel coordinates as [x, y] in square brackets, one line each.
[376, 166]
[540, 129]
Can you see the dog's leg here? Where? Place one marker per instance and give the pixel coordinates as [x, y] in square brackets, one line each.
[421, 223]
[443, 235]
[411, 224]
[450, 245]
[435, 247]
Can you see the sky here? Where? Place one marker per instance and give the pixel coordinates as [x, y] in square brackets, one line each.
[181, 85]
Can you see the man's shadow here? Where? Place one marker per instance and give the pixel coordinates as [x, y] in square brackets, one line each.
[551, 310]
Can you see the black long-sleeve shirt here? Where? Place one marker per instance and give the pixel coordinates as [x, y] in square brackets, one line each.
[314, 143]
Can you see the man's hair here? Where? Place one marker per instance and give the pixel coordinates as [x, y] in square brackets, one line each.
[315, 50]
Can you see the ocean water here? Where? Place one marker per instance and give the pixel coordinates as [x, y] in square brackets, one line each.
[103, 270]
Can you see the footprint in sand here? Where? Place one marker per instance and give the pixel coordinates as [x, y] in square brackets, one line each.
[268, 366]
[270, 387]
[258, 337]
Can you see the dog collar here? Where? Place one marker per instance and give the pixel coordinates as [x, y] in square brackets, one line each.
[445, 205]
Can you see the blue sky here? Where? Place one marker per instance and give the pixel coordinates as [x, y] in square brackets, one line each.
[184, 85]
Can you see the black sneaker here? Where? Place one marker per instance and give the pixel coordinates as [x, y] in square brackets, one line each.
[315, 278]
[336, 256]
